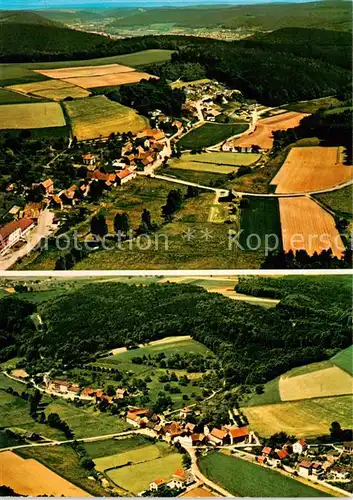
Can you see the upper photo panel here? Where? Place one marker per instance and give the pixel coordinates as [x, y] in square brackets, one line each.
[175, 135]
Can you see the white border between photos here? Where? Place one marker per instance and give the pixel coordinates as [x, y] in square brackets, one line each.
[170, 272]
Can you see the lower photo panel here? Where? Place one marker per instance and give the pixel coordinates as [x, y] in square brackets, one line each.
[176, 386]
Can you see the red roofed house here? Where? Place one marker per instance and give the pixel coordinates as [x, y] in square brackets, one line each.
[125, 176]
[238, 434]
[299, 446]
[282, 454]
[305, 468]
[157, 483]
[89, 159]
[218, 437]
[181, 479]
[266, 450]
[47, 186]
[32, 211]
[13, 232]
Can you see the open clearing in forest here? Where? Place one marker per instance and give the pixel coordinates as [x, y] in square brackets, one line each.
[51, 89]
[98, 116]
[305, 418]
[312, 169]
[30, 478]
[307, 226]
[96, 76]
[262, 135]
[31, 116]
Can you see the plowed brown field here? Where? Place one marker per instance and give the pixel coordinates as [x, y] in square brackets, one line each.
[109, 80]
[262, 135]
[31, 478]
[80, 71]
[311, 169]
[307, 226]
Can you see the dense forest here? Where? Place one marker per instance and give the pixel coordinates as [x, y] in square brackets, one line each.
[253, 344]
[320, 60]
[149, 95]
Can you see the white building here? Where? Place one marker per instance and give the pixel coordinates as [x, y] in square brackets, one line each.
[13, 232]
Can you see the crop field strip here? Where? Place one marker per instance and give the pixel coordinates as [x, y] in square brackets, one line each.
[311, 169]
[30, 478]
[262, 135]
[97, 76]
[31, 116]
[316, 228]
[98, 116]
[221, 163]
[51, 89]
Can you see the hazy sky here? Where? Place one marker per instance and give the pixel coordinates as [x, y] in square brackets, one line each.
[43, 4]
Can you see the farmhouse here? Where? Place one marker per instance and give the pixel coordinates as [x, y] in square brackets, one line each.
[305, 468]
[238, 434]
[299, 446]
[89, 159]
[181, 479]
[157, 483]
[47, 187]
[32, 211]
[218, 437]
[125, 176]
[13, 232]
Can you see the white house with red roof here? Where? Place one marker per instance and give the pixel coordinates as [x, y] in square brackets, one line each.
[299, 446]
[13, 232]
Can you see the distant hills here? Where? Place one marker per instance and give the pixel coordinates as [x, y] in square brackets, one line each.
[26, 17]
[331, 14]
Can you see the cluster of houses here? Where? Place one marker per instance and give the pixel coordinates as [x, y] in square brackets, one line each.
[231, 147]
[72, 390]
[181, 479]
[306, 464]
[186, 434]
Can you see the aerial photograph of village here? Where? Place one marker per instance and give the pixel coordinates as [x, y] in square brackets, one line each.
[176, 250]
[205, 386]
[175, 135]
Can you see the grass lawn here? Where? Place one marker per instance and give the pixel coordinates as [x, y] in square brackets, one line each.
[314, 105]
[221, 163]
[123, 362]
[31, 116]
[344, 359]
[64, 461]
[98, 449]
[245, 479]
[305, 418]
[202, 177]
[210, 134]
[131, 456]
[271, 394]
[188, 242]
[340, 201]
[137, 477]
[97, 116]
[85, 422]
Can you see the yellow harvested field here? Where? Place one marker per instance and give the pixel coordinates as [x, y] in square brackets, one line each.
[51, 89]
[81, 71]
[33, 115]
[109, 80]
[96, 117]
[330, 381]
[262, 135]
[311, 169]
[306, 418]
[31, 478]
[307, 226]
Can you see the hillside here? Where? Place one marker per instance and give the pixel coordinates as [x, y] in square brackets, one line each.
[327, 14]
[24, 17]
[272, 341]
